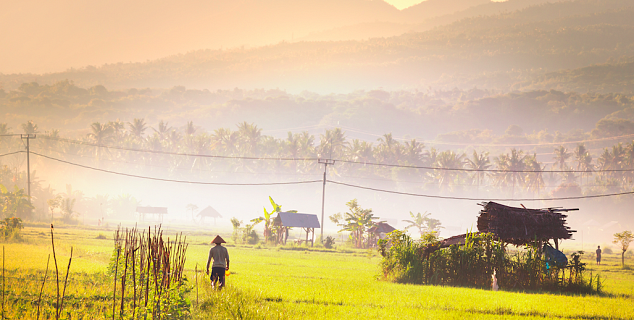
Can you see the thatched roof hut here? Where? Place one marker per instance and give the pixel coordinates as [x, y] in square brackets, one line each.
[521, 226]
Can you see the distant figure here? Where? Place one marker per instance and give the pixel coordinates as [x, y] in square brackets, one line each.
[598, 255]
[221, 262]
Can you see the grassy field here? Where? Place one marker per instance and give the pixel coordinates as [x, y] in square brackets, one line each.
[271, 283]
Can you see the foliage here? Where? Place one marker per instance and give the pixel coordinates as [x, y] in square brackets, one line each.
[15, 203]
[268, 220]
[623, 239]
[473, 264]
[356, 221]
[423, 223]
[10, 229]
[329, 242]
[236, 229]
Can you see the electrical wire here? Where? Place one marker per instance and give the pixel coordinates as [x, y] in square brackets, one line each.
[176, 153]
[480, 199]
[8, 154]
[336, 160]
[480, 170]
[173, 180]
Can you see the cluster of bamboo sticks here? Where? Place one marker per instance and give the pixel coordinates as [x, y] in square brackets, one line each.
[155, 266]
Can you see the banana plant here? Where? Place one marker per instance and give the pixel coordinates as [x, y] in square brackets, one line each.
[268, 219]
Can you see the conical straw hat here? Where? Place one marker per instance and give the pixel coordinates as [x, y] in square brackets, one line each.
[218, 239]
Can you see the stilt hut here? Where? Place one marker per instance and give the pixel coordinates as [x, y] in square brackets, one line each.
[378, 231]
[155, 213]
[521, 226]
[308, 223]
[208, 212]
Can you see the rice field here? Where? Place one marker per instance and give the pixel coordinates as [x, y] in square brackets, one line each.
[280, 283]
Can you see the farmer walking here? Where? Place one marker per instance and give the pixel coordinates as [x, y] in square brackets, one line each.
[221, 262]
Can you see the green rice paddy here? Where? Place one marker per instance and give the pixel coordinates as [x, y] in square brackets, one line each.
[272, 283]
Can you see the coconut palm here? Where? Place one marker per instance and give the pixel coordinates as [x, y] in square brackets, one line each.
[445, 162]
[511, 165]
[332, 144]
[419, 221]
[413, 152]
[163, 129]
[534, 179]
[561, 156]
[250, 136]
[137, 128]
[479, 162]
[30, 127]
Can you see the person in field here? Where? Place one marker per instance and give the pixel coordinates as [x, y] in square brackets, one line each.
[220, 256]
[598, 255]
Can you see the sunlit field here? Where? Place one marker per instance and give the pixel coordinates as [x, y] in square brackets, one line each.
[288, 282]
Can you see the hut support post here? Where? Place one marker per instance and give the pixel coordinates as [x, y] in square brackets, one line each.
[556, 243]
[312, 240]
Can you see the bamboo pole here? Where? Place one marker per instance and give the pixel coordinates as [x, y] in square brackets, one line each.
[114, 291]
[61, 306]
[56, 274]
[2, 282]
[39, 300]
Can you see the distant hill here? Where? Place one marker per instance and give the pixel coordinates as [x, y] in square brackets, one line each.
[616, 76]
[493, 52]
[79, 33]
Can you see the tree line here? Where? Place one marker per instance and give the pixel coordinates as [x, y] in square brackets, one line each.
[165, 151]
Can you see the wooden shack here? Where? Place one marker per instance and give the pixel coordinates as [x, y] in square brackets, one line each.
[521, 226]
[155, 213]
[208, 212]
[308, 223]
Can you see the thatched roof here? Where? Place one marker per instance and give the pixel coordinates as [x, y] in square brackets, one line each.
[521, 226]
[152, 210]
[381, 227]
[298, 220]
[209, 212]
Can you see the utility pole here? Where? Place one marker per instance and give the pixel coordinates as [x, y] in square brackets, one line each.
[28, 137]
[326, 162]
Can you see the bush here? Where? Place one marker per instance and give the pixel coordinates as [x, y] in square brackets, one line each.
[473, 264]
[10, 229]
[607, 250]
[329, 242]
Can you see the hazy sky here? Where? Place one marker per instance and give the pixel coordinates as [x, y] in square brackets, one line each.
[402, 4]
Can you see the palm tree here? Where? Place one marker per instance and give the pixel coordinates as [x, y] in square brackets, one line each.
[561, 156]
[419, 221]
[190, 129]
[446, 161]
[511, 164]
[250, 136]
[100, 134]
[137, 128]
[479, 162]
[413, 152]
[118, 128]
[332, 144]
[389, 149]
[4, 128]
[534, 179]
[30, 127]
[163, 129]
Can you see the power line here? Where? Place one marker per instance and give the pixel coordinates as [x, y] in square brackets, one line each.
[8, 154]
[172, 180]
[480, 199]
[480, 170]
[485, 144]
[338, 160]
[176, 153]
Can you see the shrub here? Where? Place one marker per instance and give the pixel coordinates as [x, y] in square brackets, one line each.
[329, 242]
[10, 229]
[473, 264]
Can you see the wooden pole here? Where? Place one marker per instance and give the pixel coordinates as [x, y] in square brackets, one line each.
[39, 300]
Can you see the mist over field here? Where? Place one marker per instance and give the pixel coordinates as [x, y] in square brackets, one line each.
[167, 104]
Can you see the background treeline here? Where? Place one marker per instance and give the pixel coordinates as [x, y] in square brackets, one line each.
[503, 51]
[467, 116]
[166, 152]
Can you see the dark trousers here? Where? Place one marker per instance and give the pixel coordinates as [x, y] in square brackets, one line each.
[218, 275]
